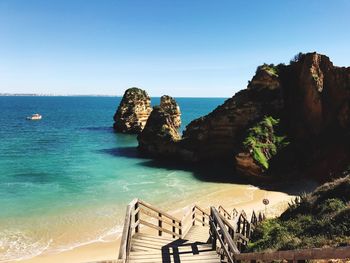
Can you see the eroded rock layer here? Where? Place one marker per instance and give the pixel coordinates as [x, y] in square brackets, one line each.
[133, 111]
[161, 131]
[310, 97]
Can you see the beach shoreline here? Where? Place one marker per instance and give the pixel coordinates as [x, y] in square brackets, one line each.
[229, 196]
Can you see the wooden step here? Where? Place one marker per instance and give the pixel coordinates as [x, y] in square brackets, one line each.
[147, 248]
[193, 259]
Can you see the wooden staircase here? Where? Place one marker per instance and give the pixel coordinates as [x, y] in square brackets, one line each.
[152, 235]
[167, 239]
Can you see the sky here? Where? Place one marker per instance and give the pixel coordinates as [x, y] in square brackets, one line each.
[182, 48]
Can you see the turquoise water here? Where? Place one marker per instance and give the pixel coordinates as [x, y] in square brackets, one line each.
[70, 172]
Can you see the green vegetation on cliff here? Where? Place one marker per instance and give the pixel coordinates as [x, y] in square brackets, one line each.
[271, 68]
[263, 141]
[319, 219]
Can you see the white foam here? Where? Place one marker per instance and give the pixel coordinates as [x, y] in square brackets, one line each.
[107, 236]
[17, 246]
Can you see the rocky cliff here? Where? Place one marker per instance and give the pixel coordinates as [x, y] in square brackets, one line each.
[160, 134]
[310, 100]
[217, 135]
[133, 111]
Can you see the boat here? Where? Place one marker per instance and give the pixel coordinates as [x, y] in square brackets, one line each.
[34, 117]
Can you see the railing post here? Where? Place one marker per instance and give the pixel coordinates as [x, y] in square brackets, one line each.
[136, 217]
[212, 230]
[244, 228]
[239, 225]
[231, 232]
[203, 219]
[180, 229]
[193, 216]
[174, 228]
[160, 223]
[249, 231]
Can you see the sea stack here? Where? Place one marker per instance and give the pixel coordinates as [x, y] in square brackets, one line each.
[133, 111]
[161, 131]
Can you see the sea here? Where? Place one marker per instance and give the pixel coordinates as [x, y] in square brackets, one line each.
[65, 180]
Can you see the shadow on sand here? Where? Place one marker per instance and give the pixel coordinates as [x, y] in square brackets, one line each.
[217, 172]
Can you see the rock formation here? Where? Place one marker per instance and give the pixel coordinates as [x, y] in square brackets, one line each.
[133, 111]
[161, 131]
[316, 94]
[217, 135]
[310, 97]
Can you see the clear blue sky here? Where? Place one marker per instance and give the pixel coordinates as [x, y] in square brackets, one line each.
[182, 48]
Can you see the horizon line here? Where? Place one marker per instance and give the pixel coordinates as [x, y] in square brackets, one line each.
[5, 94]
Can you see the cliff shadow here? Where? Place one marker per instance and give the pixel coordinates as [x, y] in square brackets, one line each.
[220, 172]
[98, 129]
[128, 152]
[214, 171]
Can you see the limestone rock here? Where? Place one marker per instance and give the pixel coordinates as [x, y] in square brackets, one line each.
[218, 134]
[317, 95]
[246, 165]
[266, 76]
[310, 96]
[169, 105]
[161, 131]
[133, 111]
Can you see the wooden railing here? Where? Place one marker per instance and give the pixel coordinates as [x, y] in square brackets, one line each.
[232, 233]
[129, 227]
[224, 212]
[239, 232]
[141, 213]
[219, 232]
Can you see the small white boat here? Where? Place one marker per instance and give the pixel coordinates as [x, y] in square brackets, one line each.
[34, 117]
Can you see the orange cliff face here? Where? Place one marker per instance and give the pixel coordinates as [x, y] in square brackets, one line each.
[316, 95]
[311, 99]
[160, 134]
[133, 111]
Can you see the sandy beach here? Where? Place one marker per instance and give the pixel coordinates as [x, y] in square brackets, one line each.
[229, 196]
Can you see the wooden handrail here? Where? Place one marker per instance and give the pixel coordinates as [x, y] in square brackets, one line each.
[219, 231]
[204, 216]
[127, 233]
[159, 211]
[225, 213]
[216, 234]
[159, 228]
[162, 217]
[200, 209]
[298, 254]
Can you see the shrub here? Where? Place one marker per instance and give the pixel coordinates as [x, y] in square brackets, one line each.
[263, 141]
[297, 58]
[330, 206]
[339, 189]
[313, 220]
[270, 68]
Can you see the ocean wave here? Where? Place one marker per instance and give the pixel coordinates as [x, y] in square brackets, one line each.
[107, 236]
[16, 245]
